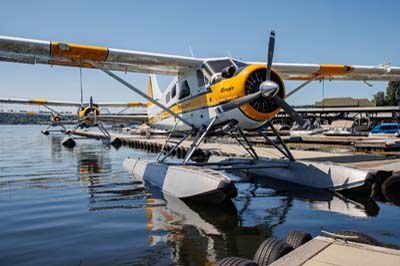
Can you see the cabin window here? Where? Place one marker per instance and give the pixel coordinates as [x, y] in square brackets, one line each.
[173, 92]
[184, 90]
[168, 97]
[200, 78]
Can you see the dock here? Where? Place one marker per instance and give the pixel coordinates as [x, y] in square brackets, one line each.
[357, 143]
[324, 251]
[229, 148]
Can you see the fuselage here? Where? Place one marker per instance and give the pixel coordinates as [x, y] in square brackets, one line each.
[198, 95]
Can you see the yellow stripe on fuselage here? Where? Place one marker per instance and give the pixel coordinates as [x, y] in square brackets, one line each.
[217, 96]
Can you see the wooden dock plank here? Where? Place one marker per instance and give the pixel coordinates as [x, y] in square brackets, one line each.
[322, 251]
[303, 253]
[349, 255]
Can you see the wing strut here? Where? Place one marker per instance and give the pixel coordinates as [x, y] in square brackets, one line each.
[285, 151]
[130, 86]
[302, 86]
[51, 109]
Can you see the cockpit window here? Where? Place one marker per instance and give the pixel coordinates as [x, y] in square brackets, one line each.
[184, 90]
[218, 65]
[239, 64]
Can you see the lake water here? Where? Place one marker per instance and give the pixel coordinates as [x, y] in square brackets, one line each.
[78, 206]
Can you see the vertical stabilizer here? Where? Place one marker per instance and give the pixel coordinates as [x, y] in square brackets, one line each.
[153, 90]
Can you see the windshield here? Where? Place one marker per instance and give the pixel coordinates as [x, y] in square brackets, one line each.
[217, 66]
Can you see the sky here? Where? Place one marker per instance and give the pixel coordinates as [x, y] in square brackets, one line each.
[336, 32]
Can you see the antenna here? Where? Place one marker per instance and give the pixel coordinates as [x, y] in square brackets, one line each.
[191, 52]
[229, 53]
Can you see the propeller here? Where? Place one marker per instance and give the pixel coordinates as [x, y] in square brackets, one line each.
[270, 55]
[91, 103]
[92, 110]
[268, 89]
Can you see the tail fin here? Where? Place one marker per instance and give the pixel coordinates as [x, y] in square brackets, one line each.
[153, 90]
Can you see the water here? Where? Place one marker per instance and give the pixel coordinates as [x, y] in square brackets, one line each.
[80, 207]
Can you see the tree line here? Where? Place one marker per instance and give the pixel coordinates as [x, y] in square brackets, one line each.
[391, 97]
[24, 119]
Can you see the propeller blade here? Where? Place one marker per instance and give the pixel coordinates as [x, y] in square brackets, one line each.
[240, 101]
[271, 47]
[289, 110]
[269, 89]
[91, 102]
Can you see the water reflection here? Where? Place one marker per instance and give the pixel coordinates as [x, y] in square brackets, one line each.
[56, 147]
[348, 204]
[107, 189]
[198, 234]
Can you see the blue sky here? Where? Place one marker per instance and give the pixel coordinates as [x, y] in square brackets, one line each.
[343, 32]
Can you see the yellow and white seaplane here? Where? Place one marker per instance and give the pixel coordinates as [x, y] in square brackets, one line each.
[89, 114]
[211, 96]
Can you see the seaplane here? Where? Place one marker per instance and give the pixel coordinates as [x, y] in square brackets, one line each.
[89, 114]
[211, 96]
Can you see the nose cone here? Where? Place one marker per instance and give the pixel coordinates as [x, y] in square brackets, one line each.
[268, 87]
[91, 115]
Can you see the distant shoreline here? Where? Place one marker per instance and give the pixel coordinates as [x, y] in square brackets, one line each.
[24, 119]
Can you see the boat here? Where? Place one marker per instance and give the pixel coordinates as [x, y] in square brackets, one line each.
[312, 129]
[385, 130]
[340, 128]
[362, 126]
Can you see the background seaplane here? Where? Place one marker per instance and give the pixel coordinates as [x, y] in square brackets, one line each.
[89, 115]
[211, 96]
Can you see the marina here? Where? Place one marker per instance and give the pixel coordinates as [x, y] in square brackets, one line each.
[205, 133]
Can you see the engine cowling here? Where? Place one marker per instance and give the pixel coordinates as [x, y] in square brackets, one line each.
[55, 118]
[262, 108]
[87, 114]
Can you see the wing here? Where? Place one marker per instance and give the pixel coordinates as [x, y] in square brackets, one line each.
[67, 54]
[337, 72]
[127, 104]
[40, 102]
